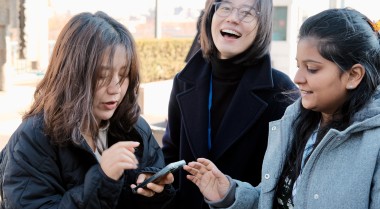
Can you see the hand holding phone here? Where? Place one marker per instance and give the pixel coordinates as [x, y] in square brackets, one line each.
[170, 168]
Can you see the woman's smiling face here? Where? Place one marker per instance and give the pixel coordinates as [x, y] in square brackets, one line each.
[231, 35]
[322, 84]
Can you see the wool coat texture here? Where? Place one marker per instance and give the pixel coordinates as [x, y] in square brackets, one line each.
[240, 143]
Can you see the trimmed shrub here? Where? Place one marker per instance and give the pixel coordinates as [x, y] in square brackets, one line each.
[161, 59]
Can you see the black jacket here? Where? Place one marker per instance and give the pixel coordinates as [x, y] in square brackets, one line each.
[239, 145]
[37, 174]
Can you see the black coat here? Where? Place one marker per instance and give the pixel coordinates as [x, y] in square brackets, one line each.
[38, 174]
[239, 145]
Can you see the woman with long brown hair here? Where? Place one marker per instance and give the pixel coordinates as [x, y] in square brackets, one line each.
[83, 143]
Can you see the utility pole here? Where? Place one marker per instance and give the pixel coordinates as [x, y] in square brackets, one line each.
[21, 17]
[157, 22]
[4, 21]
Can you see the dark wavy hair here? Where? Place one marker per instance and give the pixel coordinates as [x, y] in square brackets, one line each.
[65, 95]
[345, 37]
[260, 46]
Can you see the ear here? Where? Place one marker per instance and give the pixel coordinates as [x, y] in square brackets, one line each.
[355, 76]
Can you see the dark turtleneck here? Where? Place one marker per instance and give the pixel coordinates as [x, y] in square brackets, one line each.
[226, 76]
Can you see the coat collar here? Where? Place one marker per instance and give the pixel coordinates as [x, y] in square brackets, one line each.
[245, 108]
[256, 77]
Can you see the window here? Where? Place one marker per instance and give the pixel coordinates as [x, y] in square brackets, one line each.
[279, 23]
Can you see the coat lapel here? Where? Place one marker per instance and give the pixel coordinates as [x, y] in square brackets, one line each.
[237, 120]
[193, 104]
[245, 108]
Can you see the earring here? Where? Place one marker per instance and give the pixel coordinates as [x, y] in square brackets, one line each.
[350, 87]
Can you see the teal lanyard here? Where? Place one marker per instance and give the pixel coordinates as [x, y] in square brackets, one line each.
[209, 114]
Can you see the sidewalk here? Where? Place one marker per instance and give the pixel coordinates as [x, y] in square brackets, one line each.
[17, 97]
[15, 100]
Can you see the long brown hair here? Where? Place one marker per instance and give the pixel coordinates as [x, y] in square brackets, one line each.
[65, 95]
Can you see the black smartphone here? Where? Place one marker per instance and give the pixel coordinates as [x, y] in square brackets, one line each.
[170, 168]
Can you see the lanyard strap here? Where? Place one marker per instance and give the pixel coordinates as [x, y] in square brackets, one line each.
[209, 113]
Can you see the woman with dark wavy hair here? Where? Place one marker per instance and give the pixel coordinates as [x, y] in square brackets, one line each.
[83, 143]
[325, 151]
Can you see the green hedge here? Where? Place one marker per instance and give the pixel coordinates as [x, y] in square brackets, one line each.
[161, 59]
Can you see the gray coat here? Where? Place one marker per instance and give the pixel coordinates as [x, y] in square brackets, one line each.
[342, 172]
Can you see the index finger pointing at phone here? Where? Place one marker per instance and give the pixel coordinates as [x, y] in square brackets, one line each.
[130, 145]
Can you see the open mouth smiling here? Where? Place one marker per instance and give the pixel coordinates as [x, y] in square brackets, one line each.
[230, 33]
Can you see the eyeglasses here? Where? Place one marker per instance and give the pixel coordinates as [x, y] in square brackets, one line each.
[245, 14]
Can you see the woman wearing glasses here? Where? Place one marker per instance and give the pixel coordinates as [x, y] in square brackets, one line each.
[224, 98]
